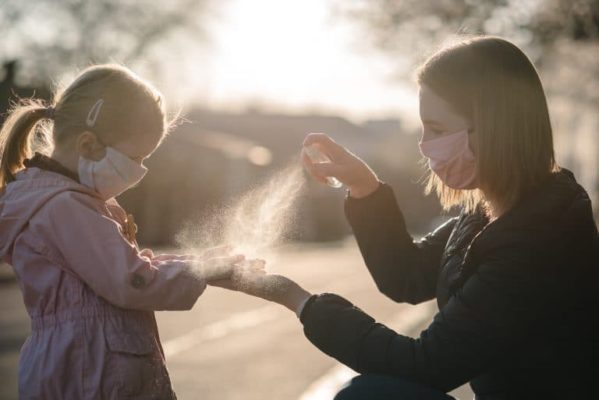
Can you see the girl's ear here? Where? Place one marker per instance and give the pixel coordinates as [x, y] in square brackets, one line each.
[88, 146]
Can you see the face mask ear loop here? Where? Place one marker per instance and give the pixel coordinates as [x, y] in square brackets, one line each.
[93, 113]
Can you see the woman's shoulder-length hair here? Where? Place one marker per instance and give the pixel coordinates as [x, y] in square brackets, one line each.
[493, 84]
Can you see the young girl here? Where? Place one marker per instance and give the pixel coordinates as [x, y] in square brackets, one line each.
[515, 276]
[89, 291]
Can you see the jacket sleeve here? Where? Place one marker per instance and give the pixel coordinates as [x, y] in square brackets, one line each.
[90, 245]
[494, 311]
[403, 269]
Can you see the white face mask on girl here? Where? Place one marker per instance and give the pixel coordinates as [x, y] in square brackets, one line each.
[112, 175]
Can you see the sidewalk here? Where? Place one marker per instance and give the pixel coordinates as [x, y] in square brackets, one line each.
[6, 273]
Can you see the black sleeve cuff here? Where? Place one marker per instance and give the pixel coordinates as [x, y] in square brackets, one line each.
[381, 199]
[365, 201]
[337, 327]
[307, 307]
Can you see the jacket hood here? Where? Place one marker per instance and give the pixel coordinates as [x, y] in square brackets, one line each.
[25, 196]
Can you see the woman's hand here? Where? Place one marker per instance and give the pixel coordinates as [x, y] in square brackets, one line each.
[254, 281]
[345, 166]
[219, 268]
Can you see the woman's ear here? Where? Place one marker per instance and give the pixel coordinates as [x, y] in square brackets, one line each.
[88, 146]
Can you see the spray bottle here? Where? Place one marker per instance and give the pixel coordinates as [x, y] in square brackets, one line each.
[317, 156]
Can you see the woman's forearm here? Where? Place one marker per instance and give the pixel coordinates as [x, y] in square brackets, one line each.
[402, 270]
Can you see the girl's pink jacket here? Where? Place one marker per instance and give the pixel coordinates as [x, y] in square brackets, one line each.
[89, 293]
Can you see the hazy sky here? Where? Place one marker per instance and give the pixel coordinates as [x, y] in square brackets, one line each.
[295, 56]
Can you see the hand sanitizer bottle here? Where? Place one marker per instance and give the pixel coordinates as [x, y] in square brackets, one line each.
[318, 156]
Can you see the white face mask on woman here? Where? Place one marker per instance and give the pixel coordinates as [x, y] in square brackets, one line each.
[451, 158]
[112, 175]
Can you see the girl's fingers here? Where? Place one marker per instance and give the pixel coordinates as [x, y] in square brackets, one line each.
[147, 253]
[178, 257]
[173, 257]
[216, 252]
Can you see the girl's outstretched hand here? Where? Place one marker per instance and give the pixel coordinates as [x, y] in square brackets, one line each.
[166, 257]
[252, 279]
[220, 251]
[213, 264]
[344, 165]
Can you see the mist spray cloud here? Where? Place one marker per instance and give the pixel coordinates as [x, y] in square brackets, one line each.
[254, 224]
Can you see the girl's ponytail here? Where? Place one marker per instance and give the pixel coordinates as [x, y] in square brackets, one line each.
[15, 138]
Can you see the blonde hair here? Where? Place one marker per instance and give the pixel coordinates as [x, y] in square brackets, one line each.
[120, 103]
[492, 83]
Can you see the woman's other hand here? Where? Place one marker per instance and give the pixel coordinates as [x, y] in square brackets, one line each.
[219, 267]
[255, 282]
[344, 165]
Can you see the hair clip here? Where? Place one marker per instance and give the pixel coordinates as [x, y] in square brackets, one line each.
[49, 112]
[92, 116]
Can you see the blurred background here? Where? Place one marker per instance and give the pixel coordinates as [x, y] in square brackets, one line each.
[251, 79]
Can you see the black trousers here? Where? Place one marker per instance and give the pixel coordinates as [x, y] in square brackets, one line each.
[381, 387]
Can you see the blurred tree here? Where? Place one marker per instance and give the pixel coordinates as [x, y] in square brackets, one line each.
[576, 20]
[51, 36]
[412, 26]
[416, 25]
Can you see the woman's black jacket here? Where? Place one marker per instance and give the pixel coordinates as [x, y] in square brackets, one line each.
[517, 297]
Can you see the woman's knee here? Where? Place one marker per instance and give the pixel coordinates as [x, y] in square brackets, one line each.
[370, 387]
[354, 389]
[380, 387]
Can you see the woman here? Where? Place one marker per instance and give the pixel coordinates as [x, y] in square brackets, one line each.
[515, 275]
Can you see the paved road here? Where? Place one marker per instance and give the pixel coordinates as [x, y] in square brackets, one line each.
[230, 346]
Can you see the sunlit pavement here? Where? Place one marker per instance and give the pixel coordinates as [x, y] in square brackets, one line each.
[231, 346]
